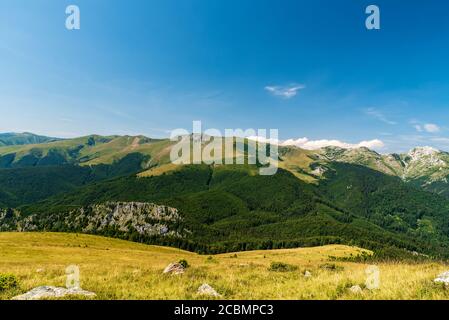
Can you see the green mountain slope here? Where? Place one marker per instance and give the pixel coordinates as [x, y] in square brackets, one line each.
[324, 196]
[226, 210]
[424, 167]
[26, 185]
[86, 151]
[13, 139]
[387, 201]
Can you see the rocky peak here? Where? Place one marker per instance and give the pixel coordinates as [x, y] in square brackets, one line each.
[419, 152]
[426, 156]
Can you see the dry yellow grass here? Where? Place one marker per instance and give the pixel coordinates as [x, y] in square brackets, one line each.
[157, 171]
[116, 269]
[298, 162]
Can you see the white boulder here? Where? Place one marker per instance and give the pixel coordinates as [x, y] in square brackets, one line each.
[175, 268]
[355, 289]
[207, 290]
[442, 278]
[48, 292]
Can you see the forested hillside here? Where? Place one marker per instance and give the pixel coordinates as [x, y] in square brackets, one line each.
[315, 198]
[225, 209]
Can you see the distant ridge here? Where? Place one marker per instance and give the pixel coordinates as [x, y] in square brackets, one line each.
[16, 139]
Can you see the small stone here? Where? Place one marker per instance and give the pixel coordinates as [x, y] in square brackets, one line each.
[175, 268]
[443, 278]
[40, 270]
[207, 290]
[308, 274]
[46, 292]
[355, 289]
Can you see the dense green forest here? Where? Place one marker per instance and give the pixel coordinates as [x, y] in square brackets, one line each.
[228, 209]
[27, 185]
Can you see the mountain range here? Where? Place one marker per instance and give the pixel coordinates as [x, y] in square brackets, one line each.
[396, 204]
[10, 139]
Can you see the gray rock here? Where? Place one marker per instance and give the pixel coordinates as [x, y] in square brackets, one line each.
[355, 289]
[307, 274]
[442, 278]
[175, 268]
[207, 290]
[46, 292]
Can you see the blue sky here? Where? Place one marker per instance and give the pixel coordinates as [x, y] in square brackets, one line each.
[308, 68]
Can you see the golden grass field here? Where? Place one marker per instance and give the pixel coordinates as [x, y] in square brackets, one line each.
[117, 269]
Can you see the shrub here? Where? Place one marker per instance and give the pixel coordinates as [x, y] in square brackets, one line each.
[332, 267]
[343, 288]
[8, 281]
[281, 267]
[184, 263]
[211, 259]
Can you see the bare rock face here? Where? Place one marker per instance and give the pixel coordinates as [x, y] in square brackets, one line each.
[443, 278]
[48, 292]
[138, 218]
[175, 268]
[144, 218]
[207, 290]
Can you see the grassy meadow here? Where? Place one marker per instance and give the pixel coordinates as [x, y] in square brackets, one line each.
[116, 269]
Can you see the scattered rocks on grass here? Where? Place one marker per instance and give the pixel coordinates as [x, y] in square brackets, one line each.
[48, 292]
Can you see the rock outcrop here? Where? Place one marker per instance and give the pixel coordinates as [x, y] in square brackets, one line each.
[355, 289]
[443, 278]
[139, 218]
[175, 268]
[49, 292]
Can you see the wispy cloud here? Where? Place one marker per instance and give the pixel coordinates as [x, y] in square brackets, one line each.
[427, 127]
[285, 92]
[372, 112]
[431, 127]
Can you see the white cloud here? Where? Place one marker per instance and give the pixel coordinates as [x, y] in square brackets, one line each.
[379, 116]
[305, 143]
[264, 140]
[427, 127]
[286, 92]
[431, 128]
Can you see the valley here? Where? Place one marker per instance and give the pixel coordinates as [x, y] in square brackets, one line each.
[384, 203]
